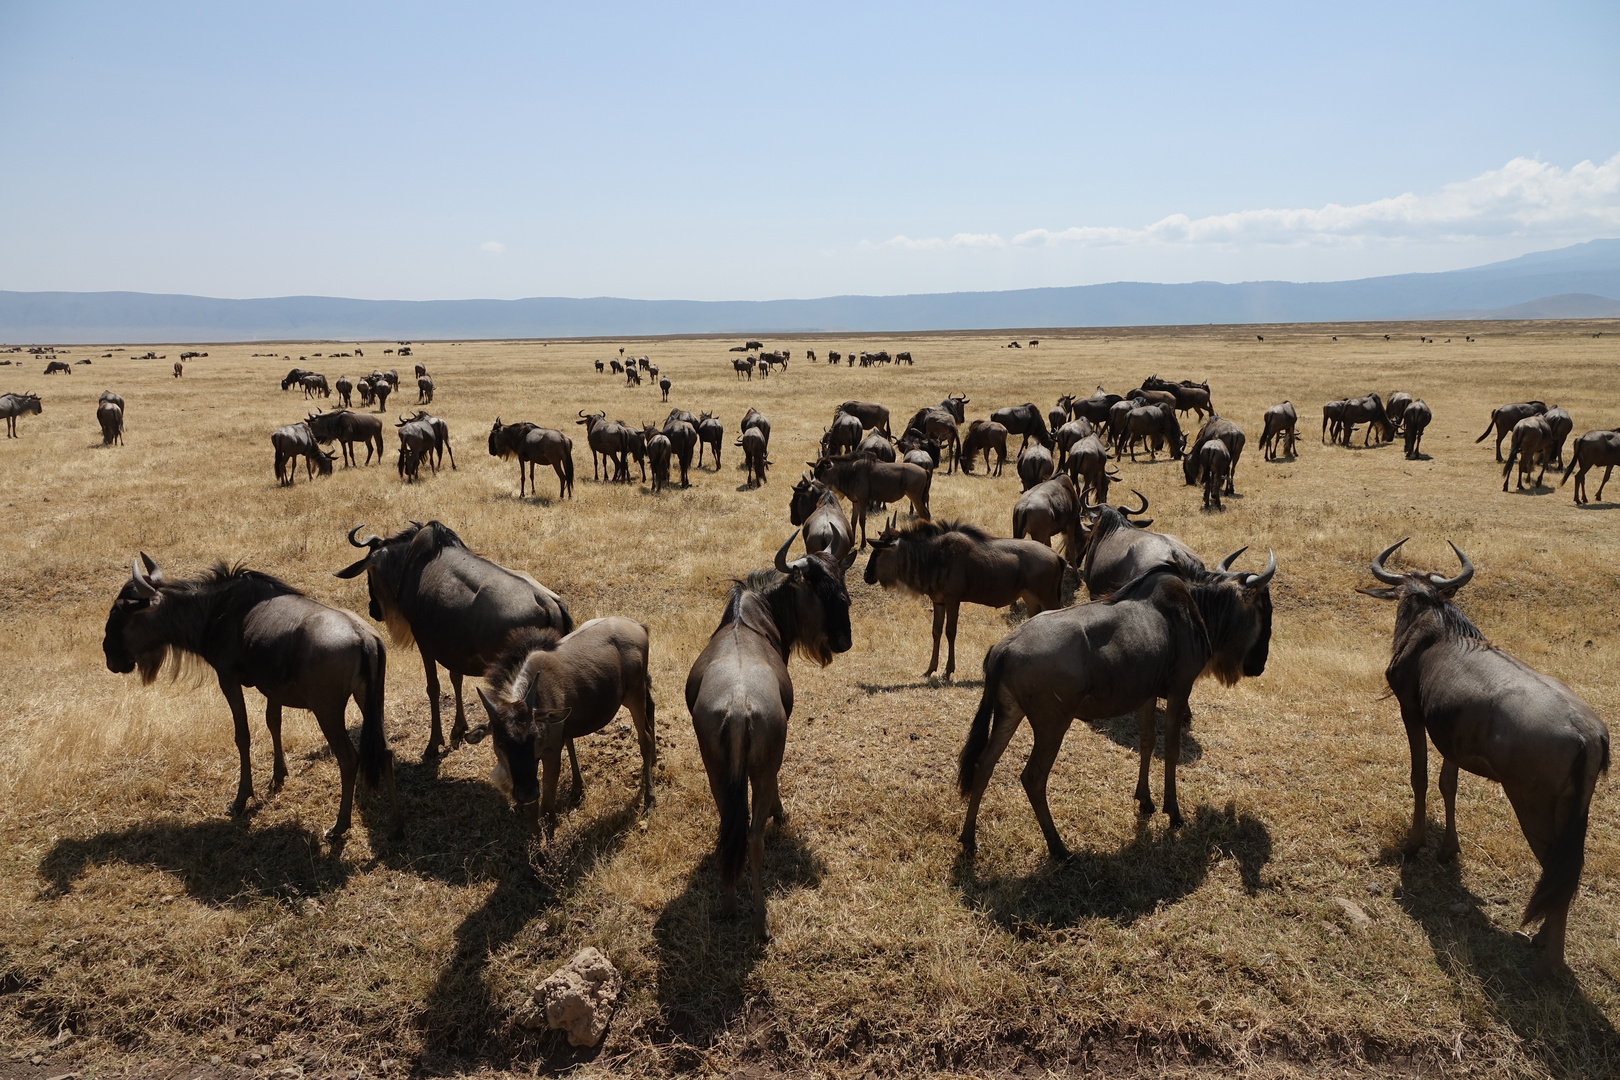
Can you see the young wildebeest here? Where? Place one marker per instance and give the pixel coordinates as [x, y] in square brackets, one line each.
[110, 415]
[1051, 509]
[1413, 422]
[864, 481]
[711, 433]
[1498, 718]
[1504, 417]
[740, 696]
[1560, 424]
[1215, 461]
[15, 405]
[657, 456]
[753, 445]
[983, 436]
[456, 607]
[1593, 449]
[1153, 639]
[1215, 429]
[296, 441]
[534, 445]
[681, 431]
[815, 508]
[345, 391]
[1034, 465]
[424, 390]
[254, 630]
[347, 428]
[549, 690]
[1281, 426]
[953, 563]
[1532, 438]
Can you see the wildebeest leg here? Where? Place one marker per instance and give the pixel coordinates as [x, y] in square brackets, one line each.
[1177, 714]
[951, 613]
[1146, 735]
[766, 799]
[577, 792]
[550, 768]
[1004, 725]
[348, 762]
[458, 730]
[1605, 480]
[435, 745]
[1448, 791]
[272, 721]
[939, 627]
[1418, 740]
[1049, 732]
[1542, 821]
[642, 715]
[244, 741]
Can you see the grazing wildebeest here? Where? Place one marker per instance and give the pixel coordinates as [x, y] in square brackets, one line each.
[1121, 549]
[1532, 437]
[345, 389]
[416, 443]
[441, 436]
[457, 608]
[1231, 436]
[1088, 467]
[834, 356]
[952, 563]
[1051, 509]
[56, 367]
[534, 445]
[877, 445]
[393, 378]
[424, 390]
[609, 440]
[1281, 426]
[1026, 420]
[632, 377]
[179, 369]
[983, 436]
[1593, 449]
[1504, 417]
[740, 696]
[314, 385]
[1413, 421]
[1333, 420]
[1395, 408]
[664, 385]
[814, 507]
[254, 630]
[743, 366]
[294, 377]
[296, 441]
[917, 449]
[1067, 434]
[864, 481]
[549, 690]
[1367, 410]
[753, 418]
[1154, 426]
[1034, 465]
[682, 434]
[15, 405]
[810, 355]
[1187, 395]
[657, 456]
[1153, 639]
[843, 436]
[110, 416]
[754, 455]
[347, 428]
[903, 358]
[1560, 424]
[1095, 408]
[380, 389]
[421, 370]
[108, 395]
[711, 433]
[618, 367]
[1215, 461]
[1495, 716]
[869, 413]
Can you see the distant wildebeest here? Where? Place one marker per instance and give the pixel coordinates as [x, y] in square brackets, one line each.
[1281, 426]
[657, 456]
[1595, 448]
[441, 436]
[1087, 466]
[1026, 420]
[179, 369]
[618, 368]
[421, 370]
[424, 390]
[600, 367]
[1413, 422]
[1395, 408]
[843, 436]
[740, 696]
[380, 389]
[1504, 417]
[1188, 395]
[314, 385]
[810, 356]
[743, 366]
[534, 445]
[110, 416]
[663, 386]
[1094, 408]
[345, 389]
[15, 405]
[774, 359]
[711, 433]
[1153, 639]
[1035, 465]
[682, 434]
[547, 690]
[296, 441]
[814, 507]
[632, 377]
[1215, 462]
[608, 440]
[834, 356]
[754, 455]
[1367, 410]
[877, 445]
[903, 358]
[1560, 424]
[1154, 426]
[753, 418]
[1051, 509]
[1231, 436]
[294, 377]
[917, 449]
[457, 608]
[753, 345]
[57, 367]
[1532, 440]
[254, 630]
[864, 481]
[1497, 717]
[954, 563]
[347, 428]
[416, 443]
[869, 413]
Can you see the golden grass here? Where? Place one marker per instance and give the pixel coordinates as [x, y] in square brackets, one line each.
[163, 934]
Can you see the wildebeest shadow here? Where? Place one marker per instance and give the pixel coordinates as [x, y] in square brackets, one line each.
[531, 499]
[1597, 506]
[1536, 490]
[933, 682]
[704, 959]
[1124, 884]
[1566, 1033]
[1122, 731]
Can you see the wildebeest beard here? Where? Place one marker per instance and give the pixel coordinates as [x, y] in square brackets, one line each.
[1229, 620]
[818, 632]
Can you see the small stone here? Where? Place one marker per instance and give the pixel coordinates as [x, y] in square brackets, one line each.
[1353, 913]
[577, 998]
[1374, 888]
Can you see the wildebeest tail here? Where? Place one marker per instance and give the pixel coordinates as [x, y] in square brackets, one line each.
[374, 752]
[568, 468]
[1513, 452]
[1561, 872]
[1488, 429]
[979, 734]
[1019, 515]
[1574, 460]
[733, 849]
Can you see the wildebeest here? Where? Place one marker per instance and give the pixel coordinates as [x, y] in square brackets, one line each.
[1153, 639]
[416, 443]
[1413, 422]
[1215, 462]
[380, 389]
[1187, 395]
[110, 416]
[15, 405]
[1504, 417]
[1095, 408]
[774, 359]
[608, 440]
[663, 386]
[458, 608]
[903, 358]
[1369, 410]
[743, 366]
[1333, 420]
[1058, 415]
[534, 445]
[711, 433]
[1495, 716]
[940, 423]
[1051, 509]
[740, 696]
[347, 428]
[549, 690]
[877, 445]
[869, 413]
[1281, 426]
[1121, 550]
[345, 389]
[657, 456]
[179, 369]
[368, 396]
[683, 439]
[1154, 426]
[1593, 449]
[421, 370]
[833, 356]
[424, 390]
[753, 446]
[1087, 466]
[296, 441]
[753, 418]
[1026, 420]
[314, 385]
[843, 436]
[983, 436]
[1067, 434]
[632, 376]
[56, 367]
[600, 367]
[1034, 465]
[294, 377]
[1231, 436]
[1395, 408]
[864, 481]
[254, 630]
[1559, 424]
[393, 378]
[108, 395]
[1532, 440]
[1117, 423]
[952, 563]
[814, 507]
[917, 449]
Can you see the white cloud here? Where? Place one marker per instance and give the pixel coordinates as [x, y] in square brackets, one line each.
[960, 240]
[494, 247]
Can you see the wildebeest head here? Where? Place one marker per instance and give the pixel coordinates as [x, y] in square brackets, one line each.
[385, 566]
[1418, 591]
[131, 640]
[1236, 607]
[811, 606]
[520, 735]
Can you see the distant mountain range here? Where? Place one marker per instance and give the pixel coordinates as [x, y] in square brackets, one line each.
[1572, 282]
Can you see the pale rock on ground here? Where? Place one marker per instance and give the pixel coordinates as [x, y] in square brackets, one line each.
[578, 998]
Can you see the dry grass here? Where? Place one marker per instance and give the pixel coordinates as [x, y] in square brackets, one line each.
[135, 912]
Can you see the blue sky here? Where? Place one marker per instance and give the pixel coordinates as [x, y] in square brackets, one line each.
[758, 151]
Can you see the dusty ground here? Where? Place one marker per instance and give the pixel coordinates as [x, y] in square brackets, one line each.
[142, 929]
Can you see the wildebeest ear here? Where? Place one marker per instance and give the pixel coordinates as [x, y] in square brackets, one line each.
[476, 734]
[552, 716]
[848, 560]
[354, 570]
[1381, 594]
[489, 706]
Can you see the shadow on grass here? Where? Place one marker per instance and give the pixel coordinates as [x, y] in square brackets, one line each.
[1121, 731]
[930, 683]
[1568, 1035]
[1598, 506]
[704, 958]
[1121, 885]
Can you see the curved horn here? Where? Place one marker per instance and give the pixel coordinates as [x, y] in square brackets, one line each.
[1388, 577]
[1085, 499]
[367, 542]
[142, 584]
[1256, 581]
[1226, 563]
[781, 553]
[582, 412]
[1139, 510]
[1449, 585]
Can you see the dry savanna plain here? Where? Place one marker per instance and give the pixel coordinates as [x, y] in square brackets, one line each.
[143, 930]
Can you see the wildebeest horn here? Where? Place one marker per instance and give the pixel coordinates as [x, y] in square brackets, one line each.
[781, 553]
[367, 542]
[1388, 577]
[1226, 563]
[1140, 509]
[1449, 585]
[146, 580]
[1256, 581]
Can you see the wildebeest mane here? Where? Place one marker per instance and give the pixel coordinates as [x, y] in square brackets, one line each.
[198, 611]
[504, 676]
[918, 563]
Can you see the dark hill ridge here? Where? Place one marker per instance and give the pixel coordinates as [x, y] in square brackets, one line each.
[1576, 282]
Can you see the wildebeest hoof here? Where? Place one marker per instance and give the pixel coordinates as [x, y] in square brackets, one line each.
[1059, 854]
[1175, 821]
[335, 835]
[237, 808]
[1446, 852]
[1145, 808]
